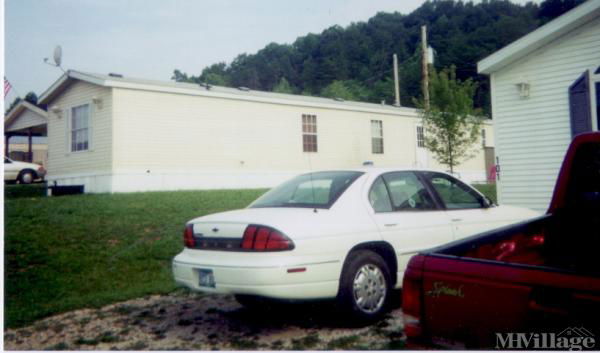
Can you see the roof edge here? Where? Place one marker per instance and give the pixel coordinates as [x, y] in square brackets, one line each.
[50, 91]
[271, 100]
[22, 105]
[70, 75]
[539, 37]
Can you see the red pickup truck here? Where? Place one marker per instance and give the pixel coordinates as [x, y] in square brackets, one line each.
[533, 285]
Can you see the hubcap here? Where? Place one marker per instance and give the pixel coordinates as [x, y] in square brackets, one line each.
[27, 178]
[369, 288]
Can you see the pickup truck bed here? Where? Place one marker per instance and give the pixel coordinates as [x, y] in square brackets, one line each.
[539, 276]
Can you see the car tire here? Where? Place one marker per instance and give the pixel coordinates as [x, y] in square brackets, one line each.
[26, 177]
[365, 287]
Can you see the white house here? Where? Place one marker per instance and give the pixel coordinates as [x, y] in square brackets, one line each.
[116, 134]
[545, 89]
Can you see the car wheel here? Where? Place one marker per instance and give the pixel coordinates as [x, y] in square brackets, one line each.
[26, 177]
[365, 286]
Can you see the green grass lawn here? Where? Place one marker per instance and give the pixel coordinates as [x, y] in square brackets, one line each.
[70, 252]
[488, 190]
[13, 191]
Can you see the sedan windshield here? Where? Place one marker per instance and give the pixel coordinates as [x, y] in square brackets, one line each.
[314, 190]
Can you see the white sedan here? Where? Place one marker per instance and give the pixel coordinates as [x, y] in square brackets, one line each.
[334, 234]
[23, 172]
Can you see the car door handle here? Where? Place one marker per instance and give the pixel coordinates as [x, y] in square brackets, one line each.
[391, 224]
[456, 219]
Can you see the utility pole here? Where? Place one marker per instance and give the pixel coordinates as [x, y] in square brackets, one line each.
[396, 81]
[424, 66]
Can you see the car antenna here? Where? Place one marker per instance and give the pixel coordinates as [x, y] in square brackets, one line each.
[312, 186]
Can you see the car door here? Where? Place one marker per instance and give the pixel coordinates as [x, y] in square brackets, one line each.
[469, 212]
[407, 215]
[10, 170]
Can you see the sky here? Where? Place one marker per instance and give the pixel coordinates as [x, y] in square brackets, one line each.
[151, 38]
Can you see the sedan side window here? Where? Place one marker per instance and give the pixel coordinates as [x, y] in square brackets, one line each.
[455, 194]
[379, 197]
[407, 192]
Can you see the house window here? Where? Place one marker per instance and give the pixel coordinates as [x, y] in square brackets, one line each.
[483, 140]
[420, 136]
[309, 133]
[377, 136]
[80, 132]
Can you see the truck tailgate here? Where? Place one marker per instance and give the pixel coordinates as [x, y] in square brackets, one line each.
[468, 301]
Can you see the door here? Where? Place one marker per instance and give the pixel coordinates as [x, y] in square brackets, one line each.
[468, 211]
[407, 215]
[10, 170]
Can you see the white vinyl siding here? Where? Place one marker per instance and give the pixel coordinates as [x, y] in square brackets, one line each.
[532, 134]
[143, 140]
[98, 158]
[158, 134]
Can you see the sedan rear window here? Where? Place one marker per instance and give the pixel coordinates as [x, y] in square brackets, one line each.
[314, 190]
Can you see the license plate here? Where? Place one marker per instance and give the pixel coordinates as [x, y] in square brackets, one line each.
[207, 279]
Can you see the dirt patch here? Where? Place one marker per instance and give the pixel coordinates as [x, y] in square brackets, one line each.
[188, 321]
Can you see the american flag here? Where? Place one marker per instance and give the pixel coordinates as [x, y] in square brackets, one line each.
[7, 87]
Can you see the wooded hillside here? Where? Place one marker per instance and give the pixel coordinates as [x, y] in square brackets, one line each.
[355, 62]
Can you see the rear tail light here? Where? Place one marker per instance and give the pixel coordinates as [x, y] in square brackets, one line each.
[412, 297]
[188, 236]
[248, 239]
[261, 238]
[256, 238]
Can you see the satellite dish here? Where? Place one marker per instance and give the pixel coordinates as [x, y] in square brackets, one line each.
[57, 55]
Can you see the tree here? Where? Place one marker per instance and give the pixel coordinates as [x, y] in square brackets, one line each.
[13, 104]
[283, 86]
[347, 90]
[179, 76]
[338, 89]
[461, 32]
[30, 97]
[216, 74]
[550, 9]
[451, 124]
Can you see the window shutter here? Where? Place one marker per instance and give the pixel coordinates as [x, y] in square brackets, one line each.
[579, 105]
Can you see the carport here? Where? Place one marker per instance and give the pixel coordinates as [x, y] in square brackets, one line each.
[25, 119]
